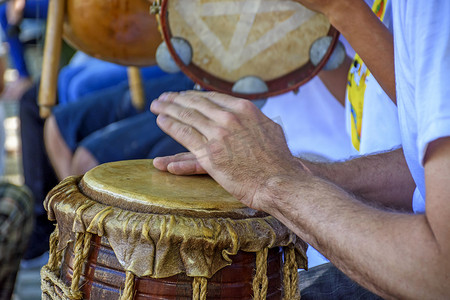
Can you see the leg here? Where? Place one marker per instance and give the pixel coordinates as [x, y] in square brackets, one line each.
[138, 136]
[128, 135]
[58, 151]
[166, 146]
[37, 170]
[96, 75]
[16, 211]
[65, 76]
[327, 282]
[83, 161]
[130, 138]
[73, 122]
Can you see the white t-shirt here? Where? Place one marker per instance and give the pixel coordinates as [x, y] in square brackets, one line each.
[422, 66]
[380, 129]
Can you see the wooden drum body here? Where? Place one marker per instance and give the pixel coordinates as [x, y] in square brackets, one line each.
[236, 39]
[126, 230]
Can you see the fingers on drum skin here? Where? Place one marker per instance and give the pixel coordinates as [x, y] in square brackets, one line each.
[190, 167]
[161, 163]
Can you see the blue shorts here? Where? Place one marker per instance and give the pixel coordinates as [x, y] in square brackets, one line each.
[108, 126]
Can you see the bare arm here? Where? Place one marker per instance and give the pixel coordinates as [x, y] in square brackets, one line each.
[393, 254]
[396, 255]
[382, 179]
[366, 33]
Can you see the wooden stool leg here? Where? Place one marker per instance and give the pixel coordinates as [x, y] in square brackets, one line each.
[135, 82]
[52, 53]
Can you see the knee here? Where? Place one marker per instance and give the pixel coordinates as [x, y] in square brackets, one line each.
[83, 161]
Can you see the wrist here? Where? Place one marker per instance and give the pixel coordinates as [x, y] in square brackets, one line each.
[279, 190]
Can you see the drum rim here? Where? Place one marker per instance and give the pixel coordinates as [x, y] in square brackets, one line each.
[286, 83]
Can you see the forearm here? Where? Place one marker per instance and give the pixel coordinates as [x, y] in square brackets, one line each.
[369, 37]
[388, 253]
[383, 179]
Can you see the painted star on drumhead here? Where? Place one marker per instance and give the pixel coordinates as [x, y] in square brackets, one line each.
[239, 51]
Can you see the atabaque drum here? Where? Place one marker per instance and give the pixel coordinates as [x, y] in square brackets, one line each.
[247, 48]
[127, 230]
[119, 31]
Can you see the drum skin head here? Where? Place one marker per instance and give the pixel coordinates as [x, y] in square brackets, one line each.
[235, 39]
[137, 185]
[119, 31]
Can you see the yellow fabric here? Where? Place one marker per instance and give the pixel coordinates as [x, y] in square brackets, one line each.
[357, 83]
[163, 245]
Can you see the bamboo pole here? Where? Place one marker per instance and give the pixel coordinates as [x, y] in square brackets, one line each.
[135, 83]
[51, 57]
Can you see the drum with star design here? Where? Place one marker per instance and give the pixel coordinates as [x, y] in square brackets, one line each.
[247, 48]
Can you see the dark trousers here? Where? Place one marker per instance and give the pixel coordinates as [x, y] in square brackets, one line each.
[326, 282]
[37, 170]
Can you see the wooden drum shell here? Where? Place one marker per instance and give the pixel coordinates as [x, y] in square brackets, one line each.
[104, 277]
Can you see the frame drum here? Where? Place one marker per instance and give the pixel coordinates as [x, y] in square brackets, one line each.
[233, 40]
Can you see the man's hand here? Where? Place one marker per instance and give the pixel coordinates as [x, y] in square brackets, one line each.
[230, 138]
[179, 164]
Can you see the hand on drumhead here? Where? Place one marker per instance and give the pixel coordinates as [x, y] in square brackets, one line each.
[230, 138]
[180, 164]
